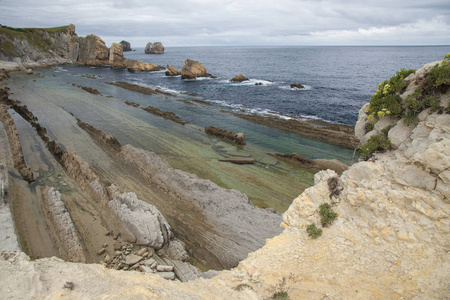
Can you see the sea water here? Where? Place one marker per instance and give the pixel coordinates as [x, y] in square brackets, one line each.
[337, 80]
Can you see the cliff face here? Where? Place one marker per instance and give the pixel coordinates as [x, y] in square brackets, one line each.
[35, 47]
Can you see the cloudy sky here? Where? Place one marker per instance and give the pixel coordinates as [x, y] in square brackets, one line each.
[242, 22]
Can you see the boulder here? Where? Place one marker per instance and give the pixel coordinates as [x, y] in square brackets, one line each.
[297, 85]
[154, 48]
[239, 78]
[139, 66]
[126, 46]
[171, 71]
[116, 59]
[143, 219]
[193, 69]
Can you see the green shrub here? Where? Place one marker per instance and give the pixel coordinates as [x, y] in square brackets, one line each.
[369, 127]
[313, 231]
[440, 75]
[282, 295]
[375, 143]
[327, 215]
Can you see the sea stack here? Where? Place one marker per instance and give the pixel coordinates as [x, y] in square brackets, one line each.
[239, 78]
[154, 48]
[126, 46]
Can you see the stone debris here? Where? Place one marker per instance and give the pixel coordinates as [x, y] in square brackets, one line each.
[147, 261]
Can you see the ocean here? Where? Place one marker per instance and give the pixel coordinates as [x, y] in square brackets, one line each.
[337, 80]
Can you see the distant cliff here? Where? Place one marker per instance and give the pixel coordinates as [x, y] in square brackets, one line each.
[24, 48]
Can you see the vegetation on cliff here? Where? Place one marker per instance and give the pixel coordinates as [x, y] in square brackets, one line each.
[37, 37]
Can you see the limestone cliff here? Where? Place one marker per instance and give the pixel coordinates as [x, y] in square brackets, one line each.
[390, 239]
[23, 48]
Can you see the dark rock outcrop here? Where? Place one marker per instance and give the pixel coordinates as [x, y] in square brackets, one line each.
[126, 46]
[297, 85]
[171, 71]
[236, 138]
[154, 48]
[239, 78]
[314, 165]
[239, 160]
[192, 69]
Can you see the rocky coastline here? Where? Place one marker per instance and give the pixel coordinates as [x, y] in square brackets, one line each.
[388, 238]
[336, 134]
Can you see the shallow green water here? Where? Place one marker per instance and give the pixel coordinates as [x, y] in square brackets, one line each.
[269, 183]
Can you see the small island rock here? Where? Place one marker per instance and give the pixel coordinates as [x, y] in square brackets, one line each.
[297, 85]
[239, 78]
[171, 71]
[136, 66]
[126, 46]
[193, 69]
[154, 48]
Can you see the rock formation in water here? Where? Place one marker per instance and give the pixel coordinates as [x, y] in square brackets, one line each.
[90, 50]
[126, 46]
[192, 69]
[236, 138]
[154, 48]
[139, 66]
[116, 59]
[239, 78]
[314, 165]
[171, 71]
[297, 86]
[24, 48]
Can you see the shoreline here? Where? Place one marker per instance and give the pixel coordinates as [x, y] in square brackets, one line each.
[331, 133]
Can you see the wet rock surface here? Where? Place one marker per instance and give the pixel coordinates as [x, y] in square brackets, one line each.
[239, 78]
[314, 165]
[236, 138]
[336, 134]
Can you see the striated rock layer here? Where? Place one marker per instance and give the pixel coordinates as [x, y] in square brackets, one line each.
[64, 231]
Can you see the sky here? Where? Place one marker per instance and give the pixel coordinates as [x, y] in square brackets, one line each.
[241, 22]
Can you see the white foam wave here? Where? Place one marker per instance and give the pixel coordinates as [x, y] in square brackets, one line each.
[250, 82]
[288, 87]
[60, 69]
[226, 104]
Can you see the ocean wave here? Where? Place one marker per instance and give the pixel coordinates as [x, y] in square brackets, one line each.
[250, 82]
[288, 87]
[59, 69]
[226, 104]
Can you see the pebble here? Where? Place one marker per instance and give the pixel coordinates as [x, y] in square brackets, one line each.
[133, 259]
[101, 251]
[142, 252]
[162, 268]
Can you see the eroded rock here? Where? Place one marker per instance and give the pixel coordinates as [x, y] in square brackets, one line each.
[192, 69]
[239, 78]
[236, 138]
[154, 48]
[142, 219]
